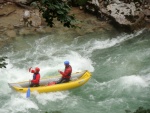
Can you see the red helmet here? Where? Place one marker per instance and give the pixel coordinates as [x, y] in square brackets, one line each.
[37, 69]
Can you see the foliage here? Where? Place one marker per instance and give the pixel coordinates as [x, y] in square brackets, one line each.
[139, 110]
[56, 9]
[2, 62]
[79, 2]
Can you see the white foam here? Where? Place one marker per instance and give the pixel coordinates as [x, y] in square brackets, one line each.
[19, 104]
[107, 43]
[44, 98]
[133, 80]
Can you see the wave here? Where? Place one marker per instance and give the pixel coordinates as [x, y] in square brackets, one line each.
[91, 45]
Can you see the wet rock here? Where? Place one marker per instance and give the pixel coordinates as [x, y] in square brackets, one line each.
[11, 33]
[120, 11]
[26, 17]
[126, 14]
[36, 18]
[22, 1]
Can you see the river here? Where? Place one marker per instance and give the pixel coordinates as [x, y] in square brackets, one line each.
[119, 63]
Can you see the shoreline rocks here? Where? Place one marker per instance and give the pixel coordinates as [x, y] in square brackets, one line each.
[125, 14]
[12, 23]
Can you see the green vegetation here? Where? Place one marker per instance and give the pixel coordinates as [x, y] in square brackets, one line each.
[139, 110]
[2, 62]
[56, 9]
[78, 2]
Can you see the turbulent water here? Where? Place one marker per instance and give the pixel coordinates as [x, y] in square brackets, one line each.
[119, 63]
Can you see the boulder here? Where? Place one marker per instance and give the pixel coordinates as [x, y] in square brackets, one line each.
[121, 13]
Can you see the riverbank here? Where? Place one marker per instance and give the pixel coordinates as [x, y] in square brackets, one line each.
[92, 17]
[12, 24]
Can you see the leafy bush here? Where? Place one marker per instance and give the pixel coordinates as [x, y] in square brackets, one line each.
[139, 110]
[56, 9]
[2, 62]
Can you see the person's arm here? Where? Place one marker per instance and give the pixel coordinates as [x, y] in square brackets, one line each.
[30, 70]
[65, 73]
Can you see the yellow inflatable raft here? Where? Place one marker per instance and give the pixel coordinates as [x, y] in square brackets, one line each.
[77, 80]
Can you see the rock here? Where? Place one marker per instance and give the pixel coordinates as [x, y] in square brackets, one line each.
[22, 1]
[25, 32]
[146, 12]
[126, 14]
[26, 18]
[11, 33]
[36, 18]
[10, 27]
[80, 7]
[96, 2]
[147, 15]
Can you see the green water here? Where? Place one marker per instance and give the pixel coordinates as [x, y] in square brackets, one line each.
[119, 63]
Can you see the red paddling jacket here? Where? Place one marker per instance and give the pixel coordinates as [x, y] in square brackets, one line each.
[67, 72]
[36, 77]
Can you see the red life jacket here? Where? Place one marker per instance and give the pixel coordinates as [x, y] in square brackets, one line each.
[36, 77]
[67, 72]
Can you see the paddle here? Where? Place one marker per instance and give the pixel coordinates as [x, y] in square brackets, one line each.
[28, 93]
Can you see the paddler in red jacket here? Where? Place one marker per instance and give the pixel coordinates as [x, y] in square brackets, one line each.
[36, 77]
[66, 75]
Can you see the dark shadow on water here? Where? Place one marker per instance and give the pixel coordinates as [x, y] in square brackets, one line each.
[54, 112]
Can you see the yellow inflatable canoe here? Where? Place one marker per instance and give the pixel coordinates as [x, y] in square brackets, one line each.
[77, 80]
